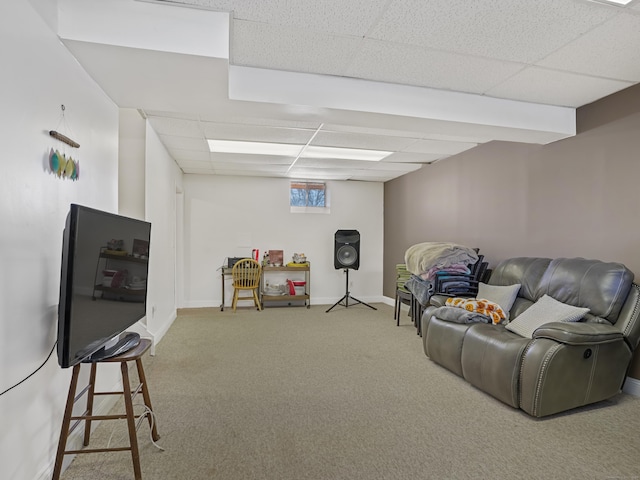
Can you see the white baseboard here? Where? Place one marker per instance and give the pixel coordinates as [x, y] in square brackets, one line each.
[388, 301]
[313, 301]
[157, 336]
[632, 386]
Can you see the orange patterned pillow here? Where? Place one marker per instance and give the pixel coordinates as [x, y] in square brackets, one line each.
[481, 306]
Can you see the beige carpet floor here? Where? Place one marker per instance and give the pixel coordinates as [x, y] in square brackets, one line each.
[295, 394]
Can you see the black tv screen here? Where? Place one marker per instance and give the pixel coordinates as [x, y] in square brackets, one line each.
[103, 281]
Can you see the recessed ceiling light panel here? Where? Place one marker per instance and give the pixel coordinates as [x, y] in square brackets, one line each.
[290, 150]
[254, 148]
[344, 153]
[620, 3]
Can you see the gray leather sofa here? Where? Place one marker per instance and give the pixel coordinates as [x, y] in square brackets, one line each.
[565, 364]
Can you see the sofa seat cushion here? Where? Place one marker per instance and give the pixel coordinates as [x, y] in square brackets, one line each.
[442, 343]
[491, 357]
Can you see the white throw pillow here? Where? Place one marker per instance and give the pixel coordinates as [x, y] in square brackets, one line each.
[502, 295]
[547, 309]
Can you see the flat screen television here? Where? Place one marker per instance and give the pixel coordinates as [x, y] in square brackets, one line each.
[103, 284]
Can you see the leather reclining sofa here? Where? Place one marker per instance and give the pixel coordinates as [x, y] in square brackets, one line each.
[565, 364]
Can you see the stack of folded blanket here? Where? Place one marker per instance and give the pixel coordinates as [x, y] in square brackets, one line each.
[424, 259]
[427, 260]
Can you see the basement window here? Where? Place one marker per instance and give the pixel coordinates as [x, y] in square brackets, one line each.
[307, 197]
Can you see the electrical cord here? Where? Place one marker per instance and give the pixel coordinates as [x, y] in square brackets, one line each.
[152, 415]
[32, 373]
[143, 415]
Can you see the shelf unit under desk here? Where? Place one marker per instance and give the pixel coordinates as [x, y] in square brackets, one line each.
[306, 296]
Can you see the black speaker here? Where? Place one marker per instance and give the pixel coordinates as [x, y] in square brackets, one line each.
[347, 249]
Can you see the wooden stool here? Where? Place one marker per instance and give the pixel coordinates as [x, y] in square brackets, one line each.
[133, 354]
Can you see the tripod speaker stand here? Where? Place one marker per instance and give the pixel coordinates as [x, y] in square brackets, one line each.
[348, 296]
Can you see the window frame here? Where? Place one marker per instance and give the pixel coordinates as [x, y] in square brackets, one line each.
[308, 186]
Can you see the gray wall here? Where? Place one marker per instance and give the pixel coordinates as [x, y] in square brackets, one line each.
[576, 197]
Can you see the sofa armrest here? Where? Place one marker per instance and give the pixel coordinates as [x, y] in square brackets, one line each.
[578, 333]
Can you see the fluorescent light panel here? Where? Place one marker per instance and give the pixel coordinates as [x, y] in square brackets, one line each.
[344, 153]
[614, 2]
[254, 148]
[290, 150]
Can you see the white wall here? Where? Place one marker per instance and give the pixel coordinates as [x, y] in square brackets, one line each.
[132, 131]
[162, 180]
[229, 216]
[39, 76]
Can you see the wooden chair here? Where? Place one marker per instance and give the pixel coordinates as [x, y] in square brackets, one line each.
[246, 277]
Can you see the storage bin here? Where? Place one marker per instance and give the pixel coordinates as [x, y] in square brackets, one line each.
[299, 287]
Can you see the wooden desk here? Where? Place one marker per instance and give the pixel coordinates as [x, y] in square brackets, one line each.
[224, 272]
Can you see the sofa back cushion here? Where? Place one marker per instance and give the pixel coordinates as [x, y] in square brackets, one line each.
[602, 287]
[527, 271]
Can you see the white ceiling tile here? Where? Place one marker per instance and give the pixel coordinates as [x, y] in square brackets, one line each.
[484, 46]
[220, 166]
[332, 163]
[189, 155]
[184, 143]
[382, 175]
[411, 130]
[199, 171]
[353, 17]
[361, 140]
[438, 147]
[611, 50]
[176, 126]
[257, 133]
[180, 115]
[395, 168]
[299, 172]
[262, 114]
[517, 30]
[420, 66]
[402, 133]
[245, 159]
[556, 88]
[190, 164]
[218, 5]
[404, 157]
[290, 48]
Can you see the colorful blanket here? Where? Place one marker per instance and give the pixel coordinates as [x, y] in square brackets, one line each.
[479, 306]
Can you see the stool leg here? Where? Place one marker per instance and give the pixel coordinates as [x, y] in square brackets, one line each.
[90, 394]
[147, 399]
[66, 420]
[131, 421]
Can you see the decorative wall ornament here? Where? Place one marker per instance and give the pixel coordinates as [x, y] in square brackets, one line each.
[62, 164]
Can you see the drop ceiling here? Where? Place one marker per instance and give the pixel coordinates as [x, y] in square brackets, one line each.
[425, 80]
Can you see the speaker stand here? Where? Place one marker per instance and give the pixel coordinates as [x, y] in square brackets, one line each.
[348, 296]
